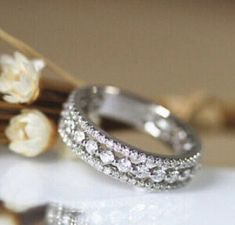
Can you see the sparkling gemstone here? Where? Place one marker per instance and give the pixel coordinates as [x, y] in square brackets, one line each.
[71, 124]
[124, 165]
[66, 220]
[133, 156]
[150, 162]
[79, 148]
[107, 170]
[115, 174]
[163, 124]
[69, 143]
[79, 136]
[124, 151]
[106, 157]
[110, 144]
[185, 175]
[91, 146]
[158, 175]
[142, 158]
[137, 158]
[166, 165]
[68, 130]
[98, 166]
[178, 135]
[101, 138]
[142, 171]
[188, 146]
[172, 176]
[80, 219]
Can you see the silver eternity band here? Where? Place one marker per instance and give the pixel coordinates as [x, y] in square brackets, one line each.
[118, 159]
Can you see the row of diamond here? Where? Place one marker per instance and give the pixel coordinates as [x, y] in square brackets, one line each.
[118, 160]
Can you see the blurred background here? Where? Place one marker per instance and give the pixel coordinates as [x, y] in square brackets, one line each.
[154, 48]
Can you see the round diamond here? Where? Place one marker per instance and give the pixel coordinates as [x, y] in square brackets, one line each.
[163, 124]
[132, 181]
[158, 175]
[124, 151]
[115, 174]
[106, 157]
[68, 130]
[172, 176]
[133, 156]
[79, 136]
[66, 220]
[142, 158]
[107, 170]
[101, 138]
[188, 146]
[142, 171]
[150, 163]
[185, 175]
[110, 143]
[91, 146]
[137, 158]
[71, 124]
[98, 166]
[124, 165]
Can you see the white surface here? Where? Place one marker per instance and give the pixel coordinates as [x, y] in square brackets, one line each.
[209, 199]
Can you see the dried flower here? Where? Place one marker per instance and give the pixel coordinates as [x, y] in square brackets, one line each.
[19, 79]
[30, 133]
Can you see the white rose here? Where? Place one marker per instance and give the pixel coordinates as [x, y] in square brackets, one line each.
[19, 79]
[30, 133]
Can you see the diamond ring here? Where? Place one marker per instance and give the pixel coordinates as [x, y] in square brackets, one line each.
[121, 160]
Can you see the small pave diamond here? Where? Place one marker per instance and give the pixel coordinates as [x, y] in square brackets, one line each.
[172, 177]
[125, 152]
[70, 125]
[79, 136]
[78, 149]
[163, 124]
[133, 156]
[107, 170]
[106, 157]
[124, 165]
[142, 171]
[91, 146]
[185, 175]
[158, 175]
[137, 158]
[150, 162]
[141, 158]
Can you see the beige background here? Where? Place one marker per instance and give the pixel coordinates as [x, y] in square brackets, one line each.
[150, 47]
